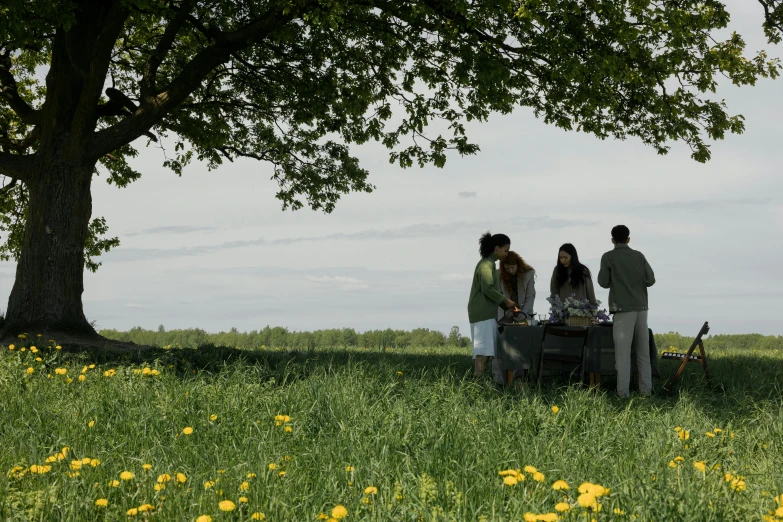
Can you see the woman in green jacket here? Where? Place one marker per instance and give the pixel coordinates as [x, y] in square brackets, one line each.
[485, 298]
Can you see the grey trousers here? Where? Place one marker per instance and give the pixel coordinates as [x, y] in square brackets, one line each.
[630, 334]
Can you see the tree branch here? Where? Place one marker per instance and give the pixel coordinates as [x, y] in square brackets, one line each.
[7, 188]
[16, 166]
[9, 93]
[154, 108]
[164, 46]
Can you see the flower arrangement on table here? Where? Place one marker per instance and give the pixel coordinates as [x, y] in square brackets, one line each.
[561, 311]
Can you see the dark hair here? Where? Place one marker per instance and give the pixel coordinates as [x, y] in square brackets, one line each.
[620, 233]
[488, 242]
[578, 271]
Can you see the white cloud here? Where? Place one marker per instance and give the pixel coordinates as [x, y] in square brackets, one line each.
[349, 284]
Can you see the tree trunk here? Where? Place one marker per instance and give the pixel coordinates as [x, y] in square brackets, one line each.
[47, 293]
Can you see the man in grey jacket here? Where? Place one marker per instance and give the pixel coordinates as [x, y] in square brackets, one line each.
[627, 275]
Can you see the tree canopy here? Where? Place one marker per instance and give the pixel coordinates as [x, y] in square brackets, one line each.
[295, 83]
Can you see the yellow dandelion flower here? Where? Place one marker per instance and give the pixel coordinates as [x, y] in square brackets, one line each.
[257, 516]
[510, 481]
[700, 465]
[95, 463]
[538, 476]
[555, 409]
[529, 517]
[102, 502]
[204, 518]
[281, 474]
[322, 516]
[53, 458]
[58, 347]
[11, 346]
[76, 464]
[530, 469]
[288, 429]
[110, 373]
[738, 484]
[60, 371]
[132, 512]
[370, 490]
[213, 417]
[209, 484]
[126, 475]
[86, 460]
[181, 478]
[684, 434]
[779, 512]
[244, 486]
[243, 500]
[221, 471]
[84, 369]
[679, 459]
[30, 370]
[672, 464]
[282, 418]
[339, 512]
[272, 466]
[23, 349]
[34, 349]
[710, 434]
[146, 507]
[584, 487]
[562, 507]
[82, 378]
[39, 469]
[187, 430]
[251, 475]
[38, 359]
[146, 467]
[547, 517]
[165, 477]
[560, 485]
[73, 474]
[717, 430]
[68, 380]
[159, 487]
[349, 468]
[586, 500]
[226, 505]
[618, 511]
[92, 367]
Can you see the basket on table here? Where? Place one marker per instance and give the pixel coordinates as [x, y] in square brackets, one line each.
[578, 321]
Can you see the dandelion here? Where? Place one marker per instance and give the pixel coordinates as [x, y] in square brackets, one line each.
[209, 484]
[181, 478]
[213, 417]
[40, 469]
[562, 507]
[132, 512]
[370, 490]
[399, 373]
[146, 467]
[679, 459]
[530, 469]
[251, 475]
[68, 380]
[11, 347]
[58, 347]
[281, 474]
[257, 516]
[672, 464]
[560, 485]
[34, 349]
[555, 409]
[146, 507]
[38, 359]
[282, 418]
[30, 370]
[226, 505]
[92, 367]
[510, 481]
[187, 430]
[339, 512]
[126, 475]
[586, 500]
[710, 434]
[349, 469]
[684, 434]
[165, 477]
[700, 465]
[288, 429]
[60, 371]
[84, 370]
[204, 518]
[110, 373]
[82, 378]
[618, 511]
[738, 484]
[547, 517]
[243, 500]
[538, 476]
[717, 430]
[102, 502]
[95, 463]
[159, 487]
[244, 486]
[529, 517]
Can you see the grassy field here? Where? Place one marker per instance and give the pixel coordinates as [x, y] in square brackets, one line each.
[228, 434]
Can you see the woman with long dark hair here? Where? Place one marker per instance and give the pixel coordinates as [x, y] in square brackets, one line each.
[570, 277]
[485, 298]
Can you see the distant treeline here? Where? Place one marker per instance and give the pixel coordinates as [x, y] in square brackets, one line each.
[279, 337]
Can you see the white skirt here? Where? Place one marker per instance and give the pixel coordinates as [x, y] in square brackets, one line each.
[485, 337]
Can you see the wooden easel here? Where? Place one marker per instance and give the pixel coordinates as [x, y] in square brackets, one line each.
[689, 357]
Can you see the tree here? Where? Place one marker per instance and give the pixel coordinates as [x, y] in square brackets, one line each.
[773, 19]
[454, 336]
[295, 82]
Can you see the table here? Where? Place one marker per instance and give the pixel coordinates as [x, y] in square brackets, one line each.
[520, 347]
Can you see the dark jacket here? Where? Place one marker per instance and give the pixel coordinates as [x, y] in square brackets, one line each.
[627, 275]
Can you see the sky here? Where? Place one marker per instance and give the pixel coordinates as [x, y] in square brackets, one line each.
[214, 250]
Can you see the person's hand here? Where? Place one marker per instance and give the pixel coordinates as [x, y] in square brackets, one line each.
[595, 321]
[511, 305]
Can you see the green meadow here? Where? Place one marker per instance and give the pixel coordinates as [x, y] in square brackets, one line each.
[403, 434]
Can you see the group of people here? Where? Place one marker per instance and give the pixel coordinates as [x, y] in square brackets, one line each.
[509, 293]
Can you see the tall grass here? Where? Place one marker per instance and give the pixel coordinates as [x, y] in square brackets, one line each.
[413, 424]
